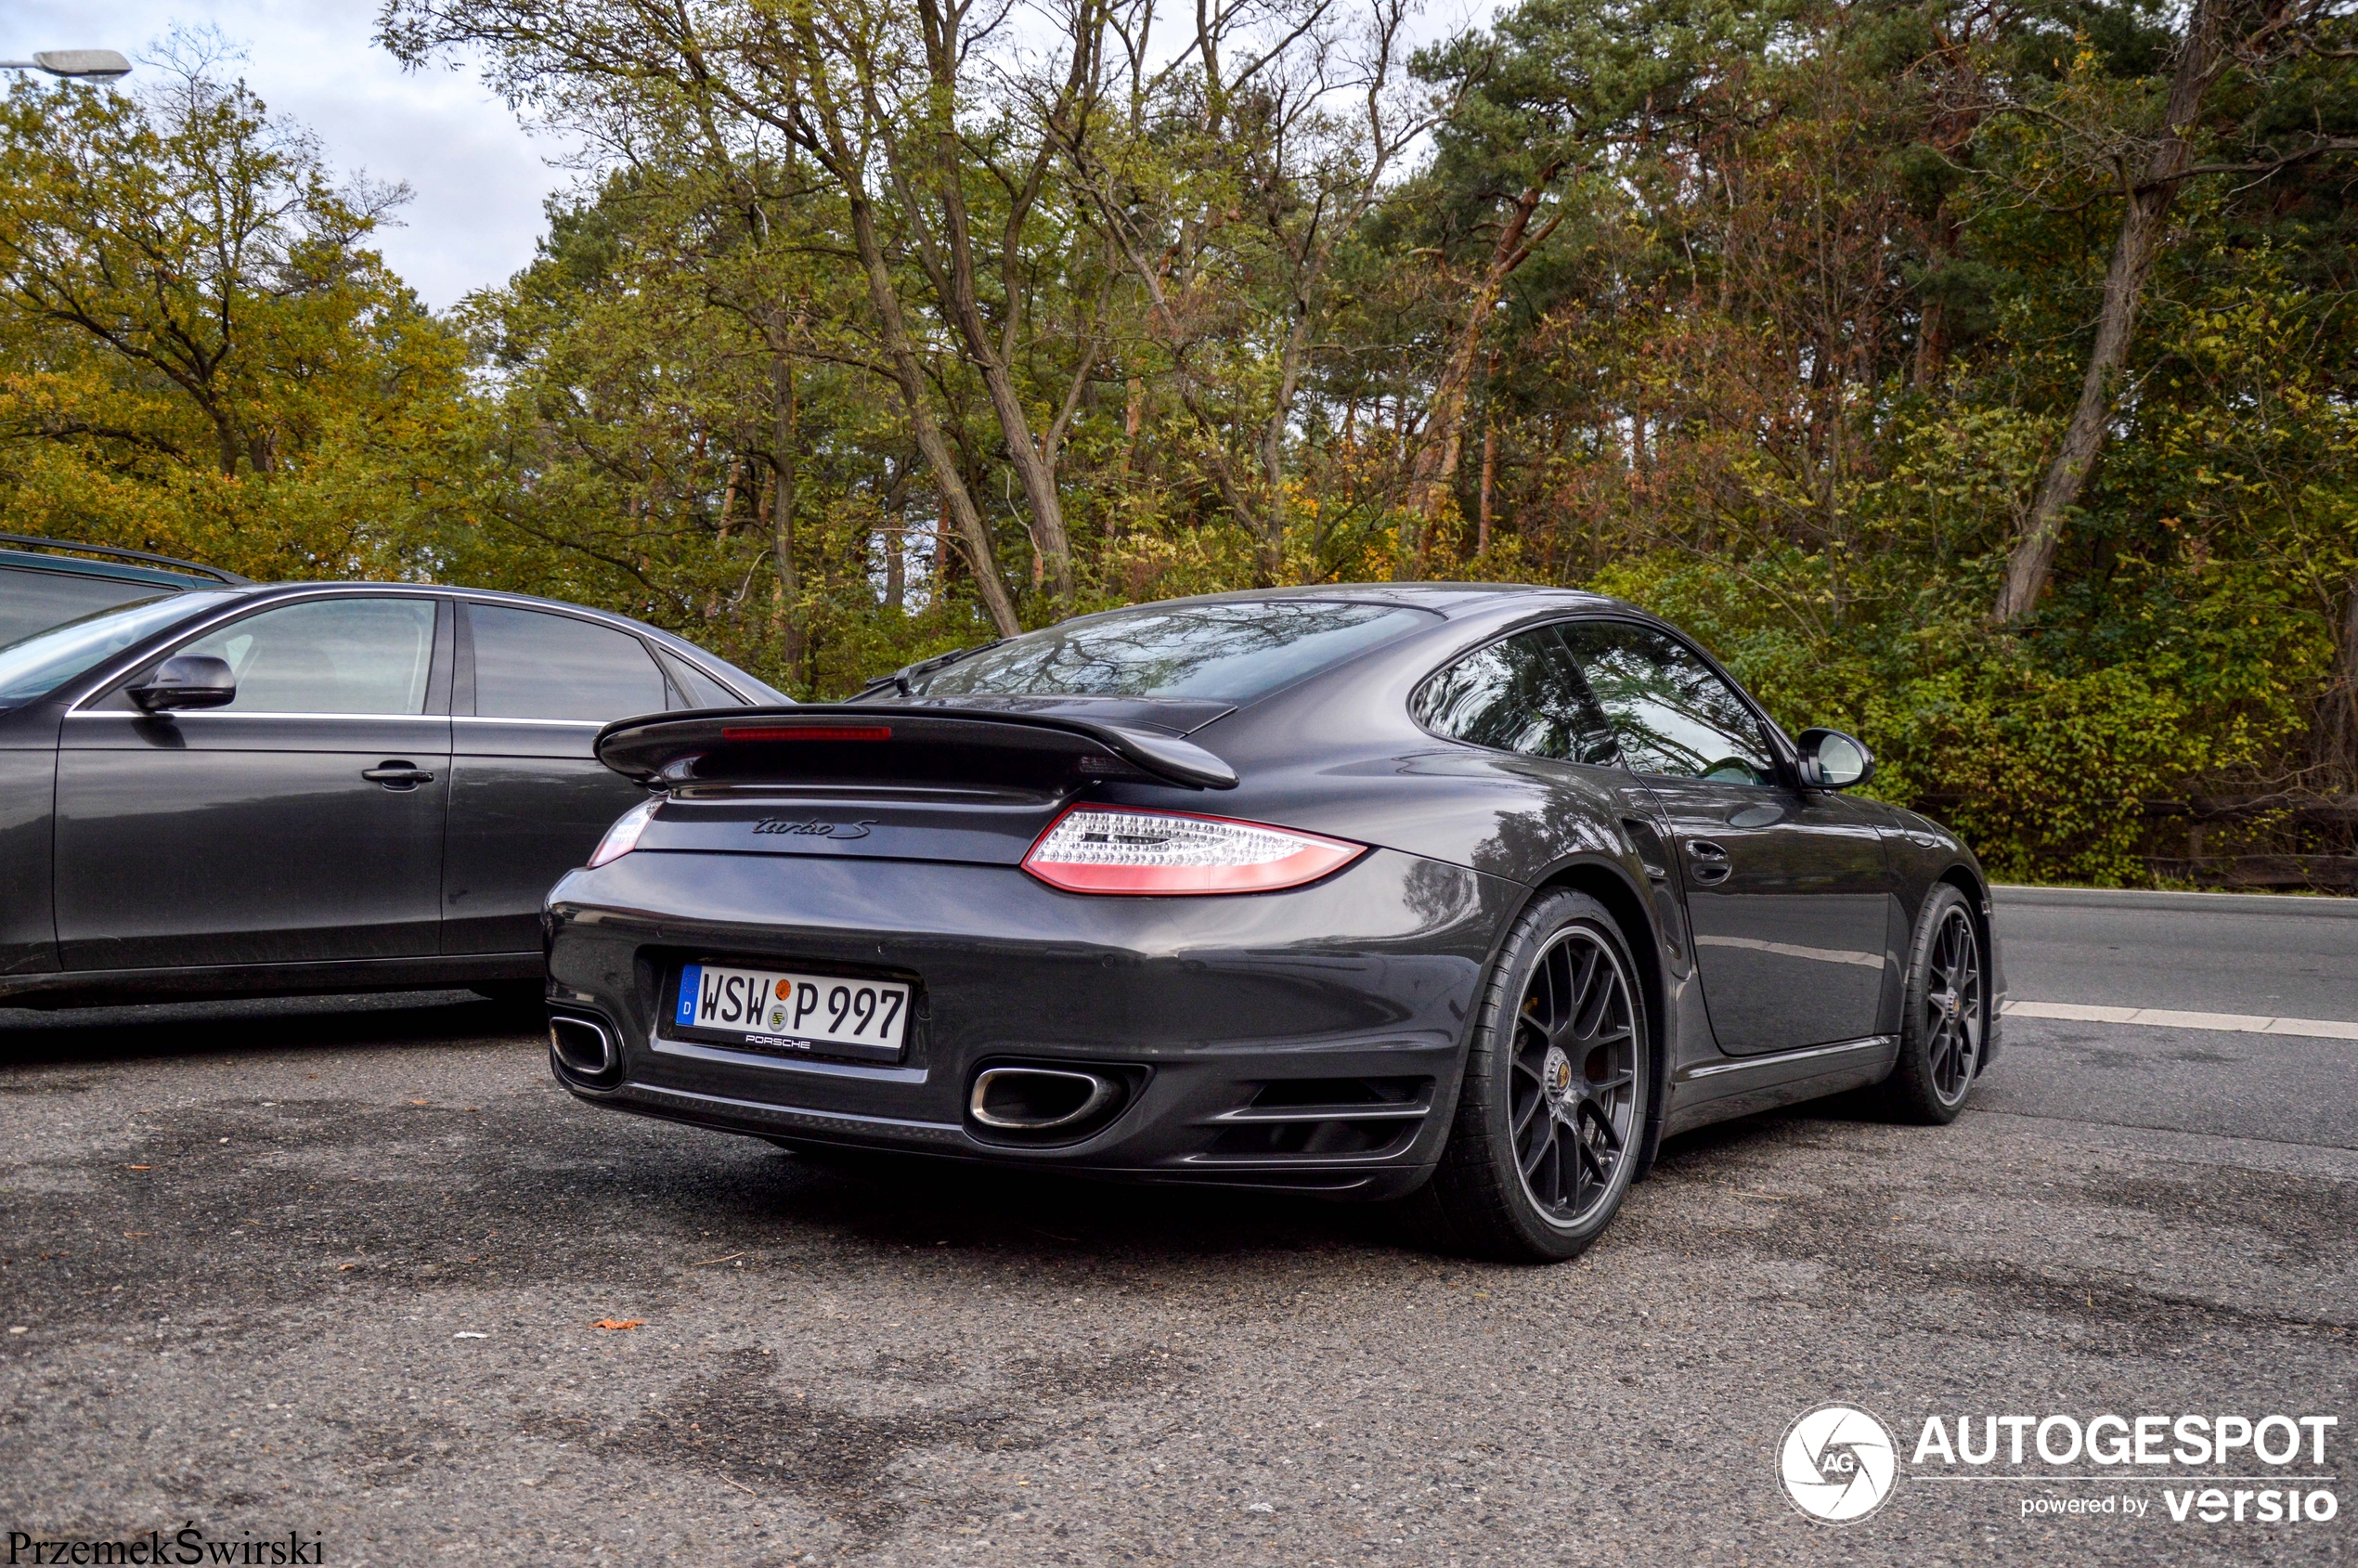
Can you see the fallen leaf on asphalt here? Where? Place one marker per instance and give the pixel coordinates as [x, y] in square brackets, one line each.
[341, 1267]
[619, 1323]
[417, 1102]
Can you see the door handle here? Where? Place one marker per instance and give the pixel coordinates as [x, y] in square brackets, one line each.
[398, 775]
[1711, 861]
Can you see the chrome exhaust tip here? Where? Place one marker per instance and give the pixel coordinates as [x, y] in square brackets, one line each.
[583, 1047]
[1030, 1101]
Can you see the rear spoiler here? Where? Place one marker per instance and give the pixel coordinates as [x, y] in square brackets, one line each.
[879, 742]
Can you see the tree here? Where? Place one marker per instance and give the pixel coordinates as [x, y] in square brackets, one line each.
[2151, 165]
[207, 357]
[940, 151]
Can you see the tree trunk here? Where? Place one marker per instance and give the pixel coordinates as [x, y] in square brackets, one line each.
[1026, 450]
[1437, 457]
[853, 169]
[2333, 740]
[1932, 326]
[2143, 211]
[1489, 483]
[956, 500]
[787, 410]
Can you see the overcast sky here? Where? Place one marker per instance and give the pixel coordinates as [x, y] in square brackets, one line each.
[478, 179]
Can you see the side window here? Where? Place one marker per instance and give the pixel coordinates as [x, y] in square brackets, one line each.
[702, 690]
[1522, 693]
[329, 656]
[533, 664]
[1671, 714]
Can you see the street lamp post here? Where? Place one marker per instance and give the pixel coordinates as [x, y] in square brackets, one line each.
[83, 65]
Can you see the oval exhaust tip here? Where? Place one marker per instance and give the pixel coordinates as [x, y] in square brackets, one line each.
[1036, 1099]
[581, 1044]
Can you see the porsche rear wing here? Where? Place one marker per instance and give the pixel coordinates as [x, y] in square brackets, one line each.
[883, 744]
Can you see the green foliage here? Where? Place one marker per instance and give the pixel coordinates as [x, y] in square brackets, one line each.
[1810, 306]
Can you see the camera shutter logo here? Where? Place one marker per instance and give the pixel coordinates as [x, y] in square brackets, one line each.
[1838, 1464]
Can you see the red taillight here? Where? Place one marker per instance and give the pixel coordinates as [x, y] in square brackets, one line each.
[808, 733]
[1115, 850]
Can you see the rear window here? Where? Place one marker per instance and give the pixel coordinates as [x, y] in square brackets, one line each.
[1227, 653]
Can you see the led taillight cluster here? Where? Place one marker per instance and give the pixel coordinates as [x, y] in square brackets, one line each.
[1114, 849]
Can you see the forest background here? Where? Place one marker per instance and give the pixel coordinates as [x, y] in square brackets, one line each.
[1976, 377]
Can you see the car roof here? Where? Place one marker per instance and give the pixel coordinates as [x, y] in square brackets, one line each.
[73, 558]
[1450, 600]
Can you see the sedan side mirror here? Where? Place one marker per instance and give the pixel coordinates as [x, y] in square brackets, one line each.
[189, 681]
[1831, 759]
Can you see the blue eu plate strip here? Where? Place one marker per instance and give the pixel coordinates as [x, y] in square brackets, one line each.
[691, 982]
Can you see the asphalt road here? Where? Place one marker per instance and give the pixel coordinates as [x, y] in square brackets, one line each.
[335, 1269]
[2210, 952]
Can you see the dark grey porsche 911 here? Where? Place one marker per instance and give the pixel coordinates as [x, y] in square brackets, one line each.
[1466, 892]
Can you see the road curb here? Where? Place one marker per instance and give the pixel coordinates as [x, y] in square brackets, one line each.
[2316, 906]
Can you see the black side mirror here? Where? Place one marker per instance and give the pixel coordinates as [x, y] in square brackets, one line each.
[1831, 759]
[189, 681]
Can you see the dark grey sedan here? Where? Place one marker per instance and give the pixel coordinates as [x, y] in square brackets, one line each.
[312, 787]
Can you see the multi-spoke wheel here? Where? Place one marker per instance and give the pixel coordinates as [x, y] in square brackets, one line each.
[1946, 1015]
[1557, 1084]
[1573, 1090]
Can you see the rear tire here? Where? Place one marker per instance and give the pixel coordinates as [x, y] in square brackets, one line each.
[1559, 1084]
[1944, 1019]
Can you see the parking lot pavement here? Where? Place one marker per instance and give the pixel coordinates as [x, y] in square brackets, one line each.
[343, 1274]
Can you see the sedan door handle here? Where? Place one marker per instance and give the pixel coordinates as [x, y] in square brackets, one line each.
[398, 775]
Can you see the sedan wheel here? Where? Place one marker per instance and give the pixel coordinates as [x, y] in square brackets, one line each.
[1557, 1084]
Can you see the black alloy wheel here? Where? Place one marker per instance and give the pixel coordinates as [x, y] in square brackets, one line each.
[1574, 1091]
[1557, 1084]
[1946, 1015]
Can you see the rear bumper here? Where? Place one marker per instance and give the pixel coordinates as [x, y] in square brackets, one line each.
[1309, 1040]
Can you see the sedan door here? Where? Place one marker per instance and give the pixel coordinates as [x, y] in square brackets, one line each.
[300, 824]
[1787, 890]
[529, 800]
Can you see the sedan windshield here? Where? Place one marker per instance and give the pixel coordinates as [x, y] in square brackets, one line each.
[36, 665]
[1227, 653]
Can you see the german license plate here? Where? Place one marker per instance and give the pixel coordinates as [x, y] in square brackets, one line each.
[779, 1010]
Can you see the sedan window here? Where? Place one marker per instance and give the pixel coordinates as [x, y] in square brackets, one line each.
[702, 690]
[533, 664]
[1522, 694]
[38, 664]
[329, 656]
[32, 599]
[1672, 715]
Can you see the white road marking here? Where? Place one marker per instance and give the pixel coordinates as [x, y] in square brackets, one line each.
[2164, 1018]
